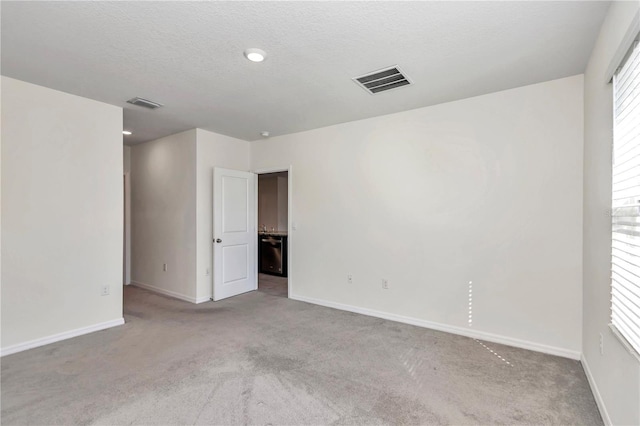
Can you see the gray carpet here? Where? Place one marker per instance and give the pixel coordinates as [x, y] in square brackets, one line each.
[260, 359]
[273, 284]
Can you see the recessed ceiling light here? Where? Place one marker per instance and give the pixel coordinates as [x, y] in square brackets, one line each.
[255, 55]
[264, 134]
[126, 132]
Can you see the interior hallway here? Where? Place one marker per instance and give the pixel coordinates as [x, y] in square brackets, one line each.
[260, 359]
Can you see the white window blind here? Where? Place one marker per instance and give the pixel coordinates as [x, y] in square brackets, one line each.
[625, 247]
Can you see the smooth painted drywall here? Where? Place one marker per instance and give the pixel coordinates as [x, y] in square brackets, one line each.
[267, 202]
[126, 273]
[62, 203]
[272, 202]
[615, 373]
[163, 214]
[172, 210]
[283, 203]
[213, 150]
[127, 158]
[487, 189]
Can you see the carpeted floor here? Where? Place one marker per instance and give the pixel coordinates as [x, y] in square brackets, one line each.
[260, 359]
[273, 284]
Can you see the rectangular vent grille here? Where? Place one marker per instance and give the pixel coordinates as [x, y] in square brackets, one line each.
[145, 103]
[383, 80]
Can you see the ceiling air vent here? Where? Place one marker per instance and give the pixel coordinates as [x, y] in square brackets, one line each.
[382, 80]
[145, 103]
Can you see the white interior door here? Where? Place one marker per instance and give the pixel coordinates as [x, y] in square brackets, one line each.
[234, 233]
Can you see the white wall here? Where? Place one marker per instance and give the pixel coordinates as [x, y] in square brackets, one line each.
[127, 158]
[487, 189]
[615, 374]
[267, 202]
[62, 204]
[163, 215]
[272, 201]
[283, 203]
[126, 278]
[172, 210]
[213, 150]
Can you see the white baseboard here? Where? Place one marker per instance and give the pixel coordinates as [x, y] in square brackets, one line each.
[475, 334]
[169, 293]
[596, 393]
[60, 336]
[203, 299]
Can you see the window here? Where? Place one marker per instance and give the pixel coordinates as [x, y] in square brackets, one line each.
[625, 247]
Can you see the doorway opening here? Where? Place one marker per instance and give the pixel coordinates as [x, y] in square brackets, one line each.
[273, 233]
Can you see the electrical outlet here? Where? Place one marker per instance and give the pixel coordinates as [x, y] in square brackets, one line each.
[601, 344]
[164, 267]
[349, 278]
[105, 290]
[385, 284]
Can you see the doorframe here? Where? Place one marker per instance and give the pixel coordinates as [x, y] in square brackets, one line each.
[289, 170]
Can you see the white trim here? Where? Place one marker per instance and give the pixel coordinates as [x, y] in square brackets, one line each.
[169, 293]
[632, 34]
[289, 170]
[475, 334]
[267, 170]
[256, 255]
[60, 336]
[625, 343]
[596, 393]
[203, 299]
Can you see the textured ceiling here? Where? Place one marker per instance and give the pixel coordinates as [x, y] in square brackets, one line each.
[188, 56]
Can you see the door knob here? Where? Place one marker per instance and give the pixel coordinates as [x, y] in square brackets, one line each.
[218, 240]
